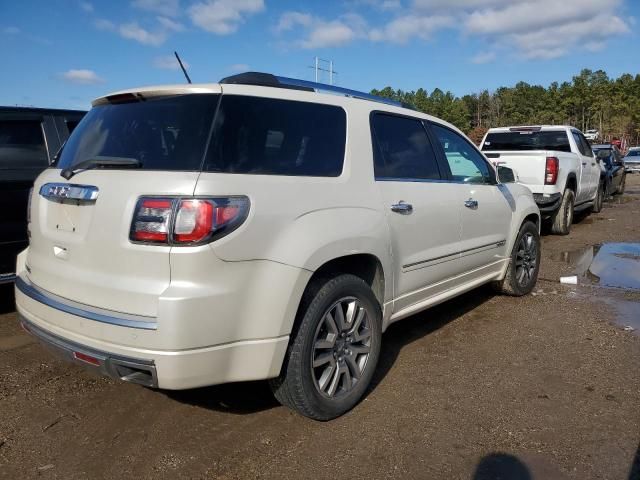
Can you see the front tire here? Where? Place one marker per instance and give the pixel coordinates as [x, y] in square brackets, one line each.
[563, 218]
[524, 265]
[334, 351]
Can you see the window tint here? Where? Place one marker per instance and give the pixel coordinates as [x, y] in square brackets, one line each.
[402, 149]
[586, 146]
[22, 145]
[71, 125]
[266, 136]
[579, 144]
[163, 133]
[465, 162]
[527, 140]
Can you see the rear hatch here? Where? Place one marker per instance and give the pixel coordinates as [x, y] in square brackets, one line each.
[145, 143]
[525, 150]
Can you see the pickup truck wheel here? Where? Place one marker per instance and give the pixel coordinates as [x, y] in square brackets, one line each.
[524, 265]
[563, 218]
[334, 351]
[599, 200]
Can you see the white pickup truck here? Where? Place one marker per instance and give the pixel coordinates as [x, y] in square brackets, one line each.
[556, 163]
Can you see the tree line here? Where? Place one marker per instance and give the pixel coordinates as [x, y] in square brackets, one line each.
[590, 100]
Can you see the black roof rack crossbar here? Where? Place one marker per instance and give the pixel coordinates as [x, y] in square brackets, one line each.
[269, 80]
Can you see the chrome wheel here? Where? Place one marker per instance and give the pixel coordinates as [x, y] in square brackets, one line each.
[341, 347]
[526, 259]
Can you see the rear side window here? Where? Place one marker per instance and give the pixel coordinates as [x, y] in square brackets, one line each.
[162, 133]
[465, 162]
[267, 136]
[22, 145]
[402, 149]
[527, 140]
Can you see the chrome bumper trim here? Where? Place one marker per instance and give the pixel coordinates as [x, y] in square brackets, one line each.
[84, 311]
[7, 278]
[131, 370]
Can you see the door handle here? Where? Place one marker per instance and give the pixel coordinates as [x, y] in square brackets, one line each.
[593, 164]
[584, 164]
[402, 207]
[471, 203]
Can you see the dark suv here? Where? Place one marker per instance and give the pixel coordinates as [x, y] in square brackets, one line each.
[29, 139]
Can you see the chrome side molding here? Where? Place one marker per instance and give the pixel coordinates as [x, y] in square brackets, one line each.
[59, 192]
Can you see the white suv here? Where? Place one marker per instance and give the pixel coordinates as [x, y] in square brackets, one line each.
[261, 228]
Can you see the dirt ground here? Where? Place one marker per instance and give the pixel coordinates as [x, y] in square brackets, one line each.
[542, 387]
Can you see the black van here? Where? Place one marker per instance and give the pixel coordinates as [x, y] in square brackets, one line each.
[29, 139]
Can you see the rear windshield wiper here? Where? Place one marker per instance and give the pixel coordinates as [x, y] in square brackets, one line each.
[95, 162]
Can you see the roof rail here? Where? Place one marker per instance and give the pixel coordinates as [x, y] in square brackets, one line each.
[269, 80]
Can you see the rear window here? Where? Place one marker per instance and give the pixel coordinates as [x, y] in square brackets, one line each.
[266, 136]
[527, 140]
[163, 133]
[22, 145]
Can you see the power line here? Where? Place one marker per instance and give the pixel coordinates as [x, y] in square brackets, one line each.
[320, 65]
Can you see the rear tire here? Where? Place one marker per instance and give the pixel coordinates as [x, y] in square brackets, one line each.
[599, 200]
[561, 220]
[331, 360]
[524, 265]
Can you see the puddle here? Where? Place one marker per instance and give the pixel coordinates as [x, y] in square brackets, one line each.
[615, 266]
[619, 200]
[609, 265]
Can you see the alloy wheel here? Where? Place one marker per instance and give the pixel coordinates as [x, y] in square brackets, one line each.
[526, 259]
[341, 347]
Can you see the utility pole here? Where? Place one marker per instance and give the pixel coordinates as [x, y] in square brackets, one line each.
[318, 67]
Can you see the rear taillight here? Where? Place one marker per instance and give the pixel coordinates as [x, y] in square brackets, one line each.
[551, 171]
[186, 221]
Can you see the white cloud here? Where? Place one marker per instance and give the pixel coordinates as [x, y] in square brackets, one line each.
[168, 8]
[170, 25]
[403, 29]
[483, 57]
[168, 62]
[321, 33]
[81, 77]
[11, 30]
[239, 67]
[223, 17]
[289, 20]
[106, 25]
[86, 6]
[135, 32]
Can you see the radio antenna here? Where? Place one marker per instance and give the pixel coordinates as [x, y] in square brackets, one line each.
[182, 67]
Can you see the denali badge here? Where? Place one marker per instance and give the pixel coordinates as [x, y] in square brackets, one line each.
[67, 191]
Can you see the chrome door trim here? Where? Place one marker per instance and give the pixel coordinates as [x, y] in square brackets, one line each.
[59, 192]
[84, 311]
[488, 246]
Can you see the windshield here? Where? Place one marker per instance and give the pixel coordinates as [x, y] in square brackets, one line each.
[634, 153]
[527, 140]
[163, 133]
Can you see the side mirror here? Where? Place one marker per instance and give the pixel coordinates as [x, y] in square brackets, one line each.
[506, 175]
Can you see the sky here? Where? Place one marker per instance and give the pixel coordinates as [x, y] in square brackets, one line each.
[64, 53]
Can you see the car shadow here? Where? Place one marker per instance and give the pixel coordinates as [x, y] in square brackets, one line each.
[407, 331]
[251, 397]
[501, 466]
[7, 298]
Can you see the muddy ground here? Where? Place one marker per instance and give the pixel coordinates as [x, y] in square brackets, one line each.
[543, 387]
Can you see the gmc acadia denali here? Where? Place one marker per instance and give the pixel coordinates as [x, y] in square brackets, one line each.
[261, 228]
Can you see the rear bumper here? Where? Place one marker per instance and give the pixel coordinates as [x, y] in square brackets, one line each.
[634, 168]
[70, 333]
[548, 203]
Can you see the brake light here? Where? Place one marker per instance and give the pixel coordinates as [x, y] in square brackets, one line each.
[151, 220]
[551, 171]
[193, 221]
[186, 221]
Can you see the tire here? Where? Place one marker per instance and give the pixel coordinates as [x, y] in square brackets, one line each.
[599, 200]
[524, 264]
[561, 220]
[332, 387]
[622, 185]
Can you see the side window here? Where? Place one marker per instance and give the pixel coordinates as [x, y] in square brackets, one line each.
[267, 136]
[402, 149]
[586, 146]
[579, 144]
[465, 162]
[22, 145]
